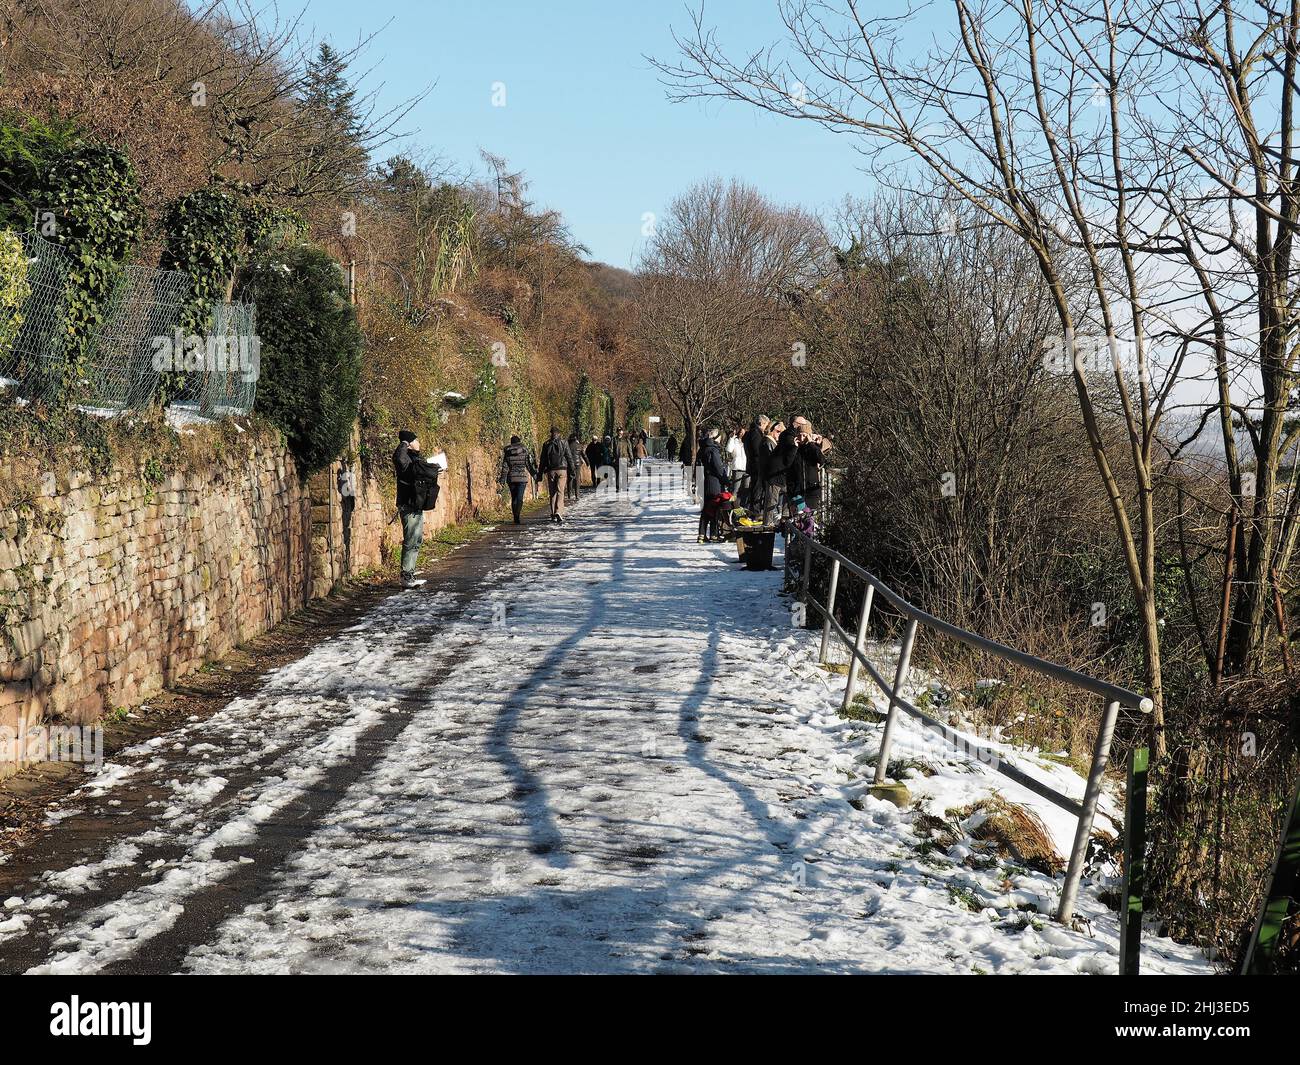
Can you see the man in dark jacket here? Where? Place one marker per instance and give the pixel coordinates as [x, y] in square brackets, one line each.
[517, 469]
[812, 456]
[782, 471]
[670, 448]
[755, 453]
[595, 458]
[554, 466]
[408, 508]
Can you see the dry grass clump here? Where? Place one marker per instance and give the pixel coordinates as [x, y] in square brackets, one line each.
[1013, 832]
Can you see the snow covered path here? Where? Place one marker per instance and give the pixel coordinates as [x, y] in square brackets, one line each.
[617, 755]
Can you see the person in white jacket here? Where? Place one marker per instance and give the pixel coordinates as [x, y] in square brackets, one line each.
[737, 464]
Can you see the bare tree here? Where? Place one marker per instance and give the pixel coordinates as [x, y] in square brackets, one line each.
[248, 70]
[715, 281]
[1053, 119]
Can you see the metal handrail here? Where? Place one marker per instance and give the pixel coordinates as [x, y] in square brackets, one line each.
[1114, 696]
[1123, 696]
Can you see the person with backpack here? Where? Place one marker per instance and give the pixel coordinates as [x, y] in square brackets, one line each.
[554, 466]
[517, 469]
[417, 491]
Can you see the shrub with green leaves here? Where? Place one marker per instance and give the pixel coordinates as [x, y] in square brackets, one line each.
[310, 350]
[209, 232]
[94, 197]
[14, 290]
[584, 409]
[204, 230]
[640, 404]
[28, 146]
[83, 196]
[268, 226]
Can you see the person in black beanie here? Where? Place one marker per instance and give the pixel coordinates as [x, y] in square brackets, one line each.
[412, 515]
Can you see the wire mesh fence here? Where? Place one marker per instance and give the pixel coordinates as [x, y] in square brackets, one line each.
[144, 306]
[222, 378]
[31, 365]
[137, 344]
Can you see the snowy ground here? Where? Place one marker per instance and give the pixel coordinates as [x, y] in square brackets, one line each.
[628, 762]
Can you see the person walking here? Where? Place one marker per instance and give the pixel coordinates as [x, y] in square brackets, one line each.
[577, 461]
[607, 457]
[670, 448]
[623, 459]
[715, 481]
[517, 470]
[555, 466]
[416, 493]
[595, 458]
[738, 465]
[639, 450]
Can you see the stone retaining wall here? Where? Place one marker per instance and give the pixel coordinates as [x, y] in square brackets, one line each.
[113, 587]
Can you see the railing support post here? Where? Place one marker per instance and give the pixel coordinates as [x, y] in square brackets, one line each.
[900, 676]
[806, 576]
[864, 616]
[1135, 844]
[830, 609]
[1091, 793]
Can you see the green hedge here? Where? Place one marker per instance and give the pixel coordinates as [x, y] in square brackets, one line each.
[14, 290]
[78, 194]
[310, 350]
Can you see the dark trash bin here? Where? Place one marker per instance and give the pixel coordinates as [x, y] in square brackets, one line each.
[756, 549]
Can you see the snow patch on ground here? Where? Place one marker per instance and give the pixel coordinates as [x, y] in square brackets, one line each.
[637, 766]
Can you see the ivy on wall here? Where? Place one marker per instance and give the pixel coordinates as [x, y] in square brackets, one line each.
[203, 233]
[310, 350]
[209, 232]
[584, 409]
[640, 404]
[14, 289]
[506, 403]
[88, 201]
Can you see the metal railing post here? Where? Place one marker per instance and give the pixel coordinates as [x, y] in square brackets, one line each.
[805, 577]
[864, 616]
[830, 609]
[1091, 793]
[900, 675]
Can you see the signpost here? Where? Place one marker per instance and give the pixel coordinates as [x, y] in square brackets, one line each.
[1135, 843]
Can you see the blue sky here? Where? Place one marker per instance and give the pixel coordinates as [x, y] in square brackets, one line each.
[586, 117]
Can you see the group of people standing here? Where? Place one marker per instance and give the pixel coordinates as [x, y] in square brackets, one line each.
[769, 467]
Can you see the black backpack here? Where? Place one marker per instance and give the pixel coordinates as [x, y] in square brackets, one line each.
[424, 483]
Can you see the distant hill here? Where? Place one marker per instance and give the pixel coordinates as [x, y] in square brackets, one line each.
[618, 284]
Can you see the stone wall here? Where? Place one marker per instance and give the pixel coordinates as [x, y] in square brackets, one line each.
[114, 585]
